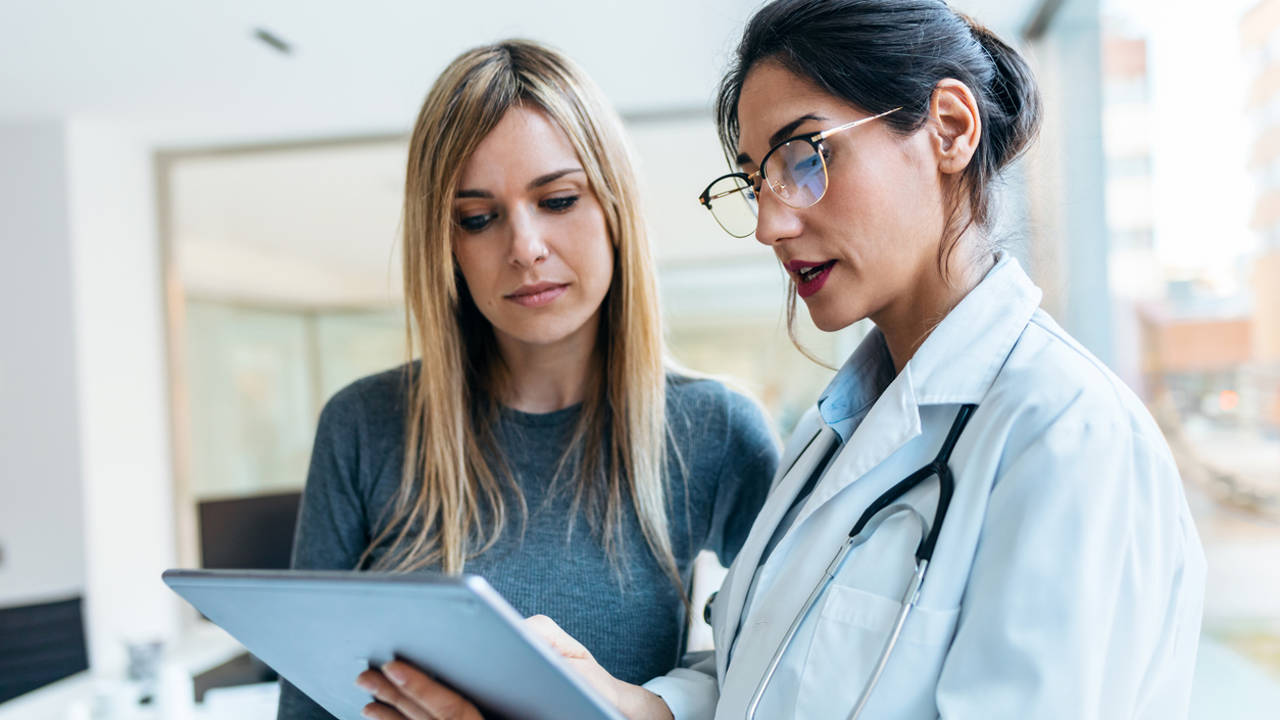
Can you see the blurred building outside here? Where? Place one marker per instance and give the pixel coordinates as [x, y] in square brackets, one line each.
[1196, 305]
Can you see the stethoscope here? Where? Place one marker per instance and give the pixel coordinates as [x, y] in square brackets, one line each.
[876, 513]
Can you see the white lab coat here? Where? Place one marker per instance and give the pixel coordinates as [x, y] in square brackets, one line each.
[1068, 578]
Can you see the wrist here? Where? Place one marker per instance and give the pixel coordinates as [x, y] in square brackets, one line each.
[637, 703]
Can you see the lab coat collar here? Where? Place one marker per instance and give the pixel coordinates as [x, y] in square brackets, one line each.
[860, 381]
[799, 463]
[956, 364]
[960, 359]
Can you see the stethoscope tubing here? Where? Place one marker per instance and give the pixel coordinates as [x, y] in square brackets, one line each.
[833, 569]
[882, 508]
[909, 600]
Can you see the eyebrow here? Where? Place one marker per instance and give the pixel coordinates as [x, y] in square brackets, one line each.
[533, 184]
[784, 132]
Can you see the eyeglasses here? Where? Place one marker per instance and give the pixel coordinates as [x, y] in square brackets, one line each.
[796, 170]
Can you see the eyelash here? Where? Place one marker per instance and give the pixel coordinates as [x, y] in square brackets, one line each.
[477, 223]
[560, 203]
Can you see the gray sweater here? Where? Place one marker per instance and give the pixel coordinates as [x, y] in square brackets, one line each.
[626, 612]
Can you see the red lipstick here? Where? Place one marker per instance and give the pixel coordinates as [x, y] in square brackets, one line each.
[810, 276]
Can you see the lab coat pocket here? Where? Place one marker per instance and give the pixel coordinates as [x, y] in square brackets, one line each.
[848, 636]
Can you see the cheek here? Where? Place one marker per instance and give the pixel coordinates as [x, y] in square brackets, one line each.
[593, 254]
[861, 214]
[478, 270]
[886, 205]
[914, 178]
[602, 264]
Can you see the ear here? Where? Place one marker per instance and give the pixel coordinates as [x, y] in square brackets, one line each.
[955, 124]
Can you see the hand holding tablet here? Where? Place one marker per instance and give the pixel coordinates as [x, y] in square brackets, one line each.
[320, 630]
[402, 692]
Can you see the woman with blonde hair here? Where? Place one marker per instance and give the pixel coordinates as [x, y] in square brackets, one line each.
[541, 439]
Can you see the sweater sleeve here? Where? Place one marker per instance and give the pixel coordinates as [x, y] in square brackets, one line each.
[748, 461]
[332, 529]
[748, 464]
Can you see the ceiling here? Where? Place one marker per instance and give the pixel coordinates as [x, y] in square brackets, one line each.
[192, 74]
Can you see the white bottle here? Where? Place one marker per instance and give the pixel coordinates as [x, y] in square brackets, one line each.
[176, 696]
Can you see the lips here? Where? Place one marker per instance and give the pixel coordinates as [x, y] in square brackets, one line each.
[810, 276]
[537, 294]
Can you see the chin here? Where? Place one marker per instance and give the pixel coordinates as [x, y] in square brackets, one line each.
[829, 319]
[540, 333]
[529, 336]
[833, 326]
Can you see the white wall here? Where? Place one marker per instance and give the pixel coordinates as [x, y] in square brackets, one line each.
[85, 484]
[121, 370]
[41, 533]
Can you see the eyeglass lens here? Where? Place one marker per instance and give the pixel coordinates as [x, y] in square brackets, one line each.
[795, 171]
[733, 204]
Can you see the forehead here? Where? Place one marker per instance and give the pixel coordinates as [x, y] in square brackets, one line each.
[525, 144]
[773, 96]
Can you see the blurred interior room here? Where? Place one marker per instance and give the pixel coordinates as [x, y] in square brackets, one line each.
[200, 215]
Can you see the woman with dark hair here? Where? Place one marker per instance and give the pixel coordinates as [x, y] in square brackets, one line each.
[978, 519]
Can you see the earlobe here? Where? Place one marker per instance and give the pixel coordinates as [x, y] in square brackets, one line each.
[956, 123]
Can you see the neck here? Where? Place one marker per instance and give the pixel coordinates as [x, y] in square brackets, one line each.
[546, 378]
[907, 322]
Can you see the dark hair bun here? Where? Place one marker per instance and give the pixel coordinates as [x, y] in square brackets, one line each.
[1014, 117]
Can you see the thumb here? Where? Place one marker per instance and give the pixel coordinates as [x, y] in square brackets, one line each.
[555, 636]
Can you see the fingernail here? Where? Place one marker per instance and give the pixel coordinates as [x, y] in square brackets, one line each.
[365, 685]
[395, 673]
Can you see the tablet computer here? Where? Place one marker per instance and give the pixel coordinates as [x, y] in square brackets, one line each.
[319, 630]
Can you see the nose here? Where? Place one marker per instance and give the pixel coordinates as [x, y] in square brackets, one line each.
[775, 220]
[528, 244]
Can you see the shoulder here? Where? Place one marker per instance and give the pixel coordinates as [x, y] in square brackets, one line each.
[703, 401]
[1052, 389]
[360, 435]
[1079, 452]
[692, 393]
[374, 403]
[727, 451]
